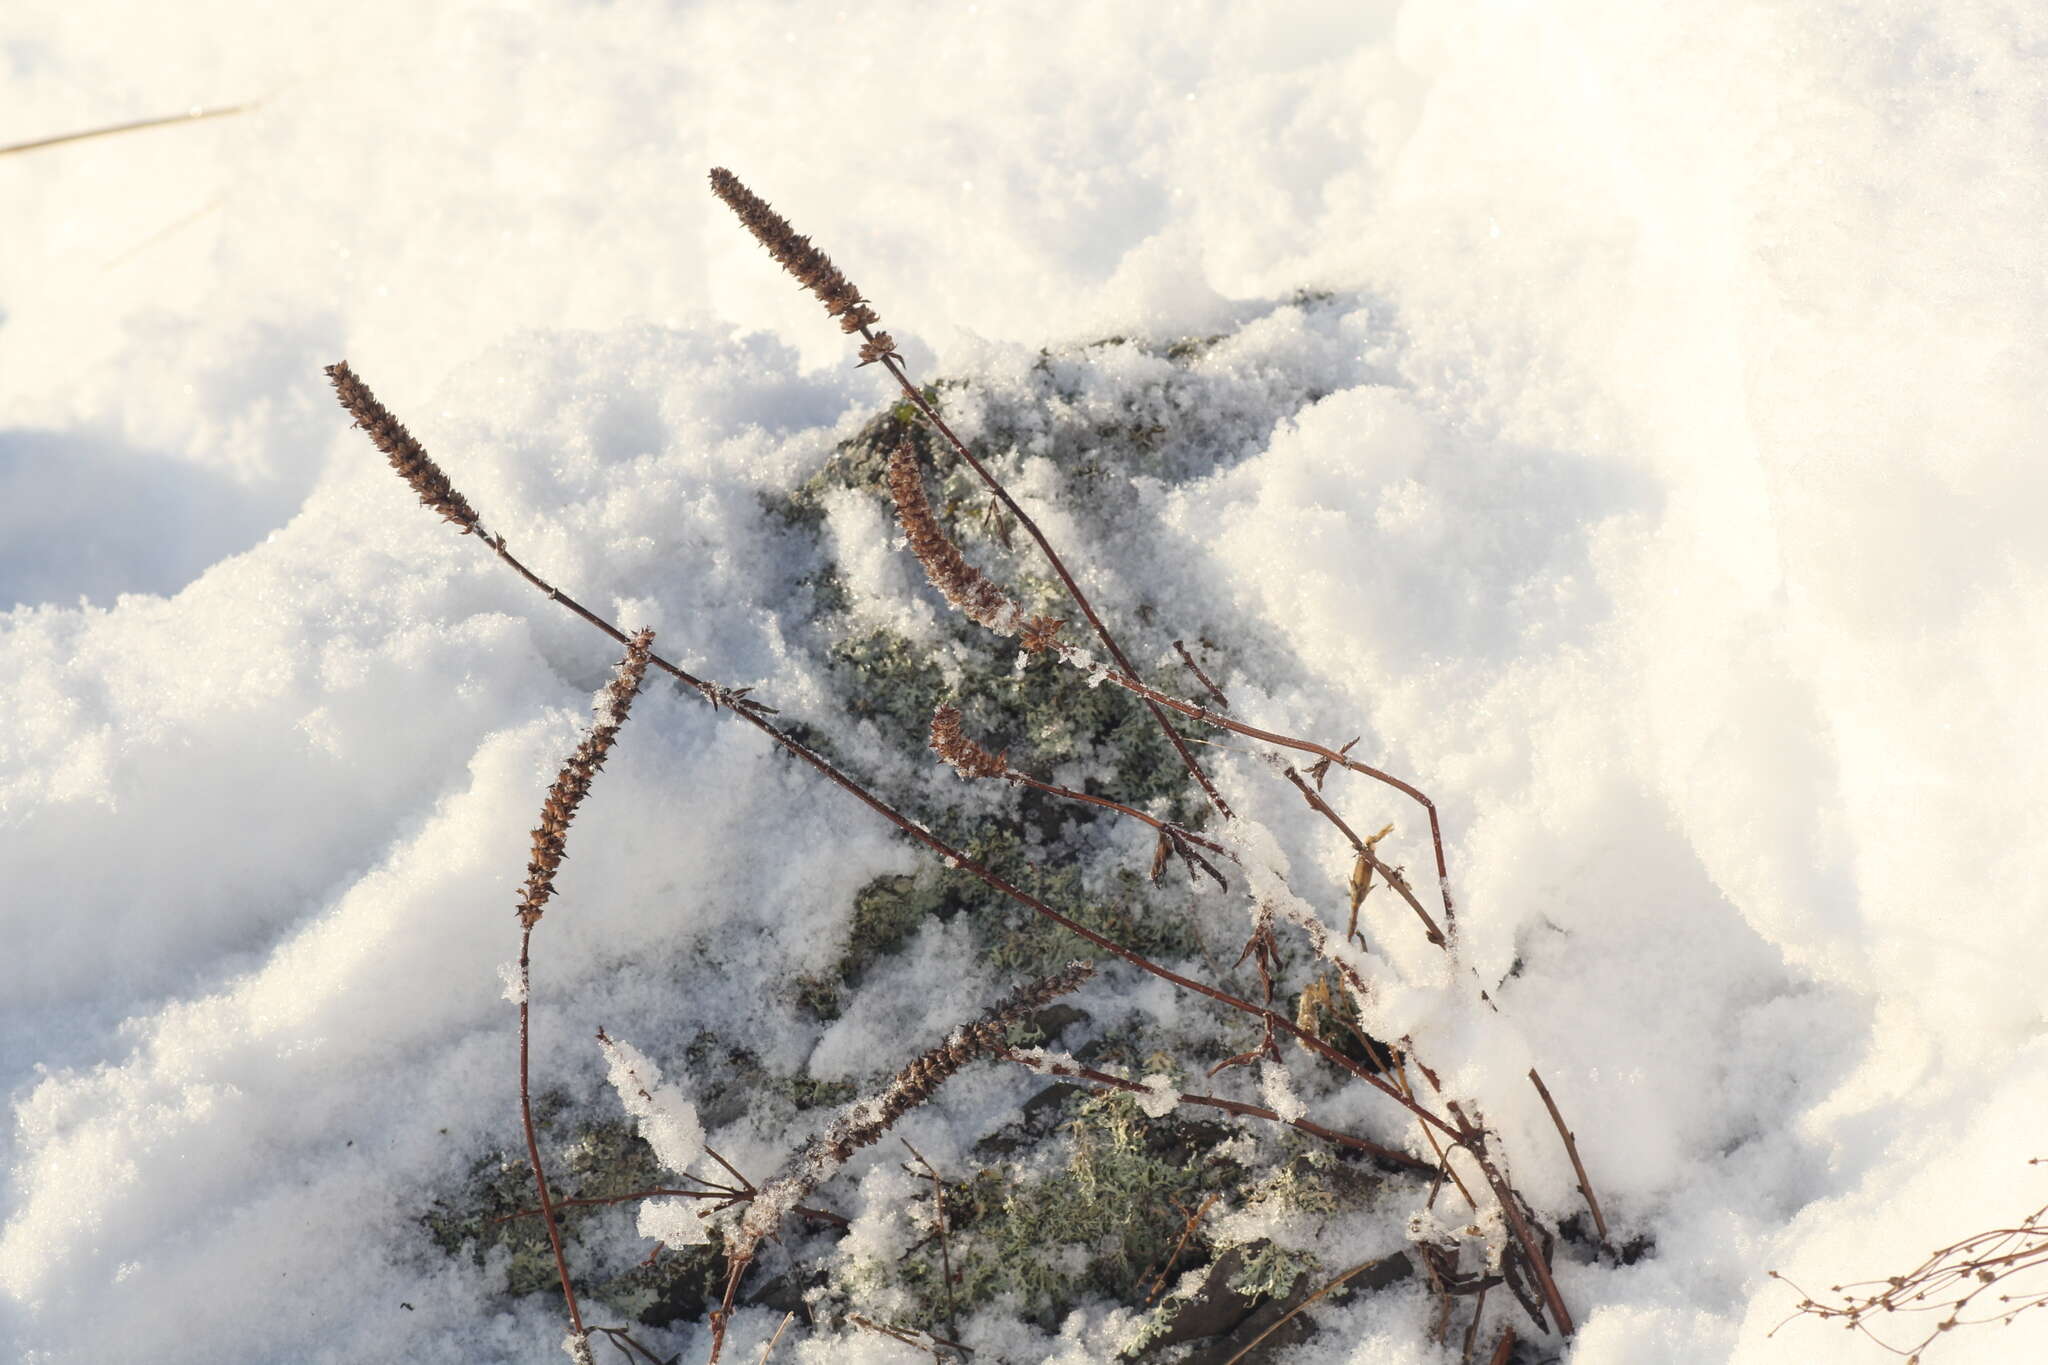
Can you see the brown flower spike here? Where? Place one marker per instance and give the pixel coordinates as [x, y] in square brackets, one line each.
[406, 454]
[965, 586]
[966, 757]
[812, 268]
[572, 784]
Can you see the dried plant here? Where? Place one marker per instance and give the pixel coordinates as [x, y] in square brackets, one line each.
[549, 840]
[1955, 1283]
[812, 268]
[572, 784]
[408, 457]
[1467, 1153]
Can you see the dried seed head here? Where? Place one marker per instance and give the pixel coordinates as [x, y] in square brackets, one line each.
[864, 1121]
[874, 349]
[965, 586]
[812, 268]
[572, 784]
[968, 758]
[406, 454]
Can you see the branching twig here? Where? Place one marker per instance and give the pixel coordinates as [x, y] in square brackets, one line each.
[1949, 1282]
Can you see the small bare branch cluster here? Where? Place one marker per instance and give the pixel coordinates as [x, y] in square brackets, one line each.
[572, 784]
[1955, 1282]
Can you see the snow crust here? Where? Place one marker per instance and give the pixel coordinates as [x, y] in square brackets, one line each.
[1670, 510]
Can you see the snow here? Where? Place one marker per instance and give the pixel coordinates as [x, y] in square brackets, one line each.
[1658, 486]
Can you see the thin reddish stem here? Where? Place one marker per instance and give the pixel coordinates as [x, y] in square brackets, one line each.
[540, 1180]
[1252, 1111]
[1571, 1147]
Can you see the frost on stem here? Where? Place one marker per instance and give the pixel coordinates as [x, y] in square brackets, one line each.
[667, 1120]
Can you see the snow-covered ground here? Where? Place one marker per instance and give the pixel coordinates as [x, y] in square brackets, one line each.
[1668, 504]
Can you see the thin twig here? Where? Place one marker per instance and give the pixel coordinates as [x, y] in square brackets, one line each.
[133, 126]
[1571, 1148]
[923, 1341]
[1303, 1306]
[540, 1180]
[660, 1192]
[1472, 1327]
[1364, 849]
[769, 1349]
[1200, 676]
[1187, 1231]
[939, 1217]
[1076, 1071]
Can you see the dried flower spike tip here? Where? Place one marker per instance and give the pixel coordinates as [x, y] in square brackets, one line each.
[966, 757]
[812, 268]
[572, 784]
[406, 454]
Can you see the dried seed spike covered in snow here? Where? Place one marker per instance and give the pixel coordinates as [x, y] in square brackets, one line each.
[667, 1120]
[966, 757]
[863, 1122]
[572, 783]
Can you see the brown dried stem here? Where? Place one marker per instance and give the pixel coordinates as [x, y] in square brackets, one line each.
[540, 1180]
[1075, 1071]
[1571, 1147]
[1200, 676]
[939, 1219]
[1363, 848]
[1337, 1282]
[970, 759]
